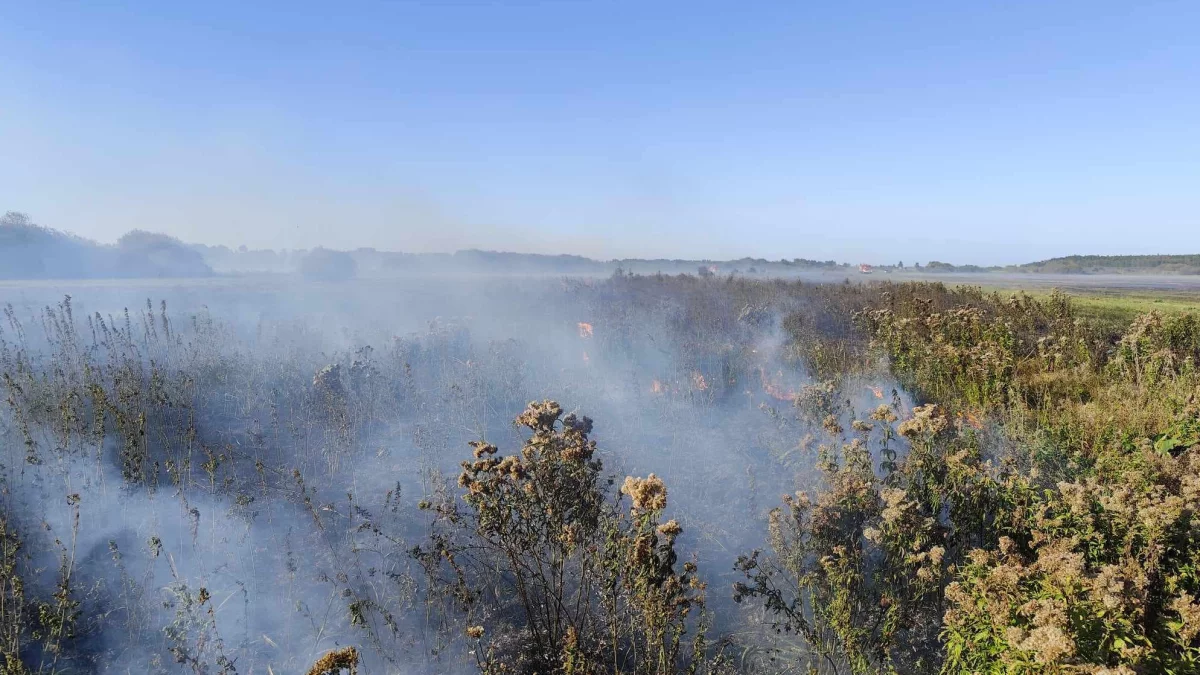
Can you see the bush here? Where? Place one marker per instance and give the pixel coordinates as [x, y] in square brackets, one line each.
[553, 573]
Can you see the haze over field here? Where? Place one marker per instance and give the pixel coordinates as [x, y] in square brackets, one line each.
[31, 252]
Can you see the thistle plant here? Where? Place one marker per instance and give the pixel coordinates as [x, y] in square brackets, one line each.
[555, 570]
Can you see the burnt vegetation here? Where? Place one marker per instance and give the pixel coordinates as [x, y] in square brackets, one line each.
[971, 483]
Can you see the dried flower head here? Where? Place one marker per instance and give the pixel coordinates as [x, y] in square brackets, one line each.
[648, 494]
[926, 421]
[1189, 613]
[540, 416]
[670, 529]
[883, 413]
[335, 661]
[482, 449]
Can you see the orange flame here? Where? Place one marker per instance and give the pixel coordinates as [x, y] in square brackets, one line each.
[876, 390]
[585, 330]
[657, 387]
[774, 390]
[699, 382]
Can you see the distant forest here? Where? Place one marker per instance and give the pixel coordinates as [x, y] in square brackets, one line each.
[1089, 264]
[31, 251]
[1117, 264]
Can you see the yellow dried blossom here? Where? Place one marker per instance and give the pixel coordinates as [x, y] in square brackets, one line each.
[1050, 644]
[883, 413]
[935, 555]
[648, 494]
[670, 529]
[893, 498]
[482, 449]
[1189, 611]
[336, 661]
[924, 422]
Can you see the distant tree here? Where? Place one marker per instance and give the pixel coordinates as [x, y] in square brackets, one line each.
[21, 246]
[704, 271]
[16, 219]
[322, 264]
[150, 254]
[31, 251]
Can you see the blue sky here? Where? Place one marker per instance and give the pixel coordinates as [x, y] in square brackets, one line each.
[961, 131]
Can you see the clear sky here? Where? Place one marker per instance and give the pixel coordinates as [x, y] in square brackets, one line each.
[877, 131]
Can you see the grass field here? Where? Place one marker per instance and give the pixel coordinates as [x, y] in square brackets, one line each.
[1114, 304]
[1121, 305]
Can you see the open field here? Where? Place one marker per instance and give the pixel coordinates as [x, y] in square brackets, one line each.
[1115, 304]
[1120, 306]
[1113, 298]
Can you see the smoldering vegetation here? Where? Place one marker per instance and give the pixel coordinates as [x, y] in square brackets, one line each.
[642, 474]
[223, 489]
